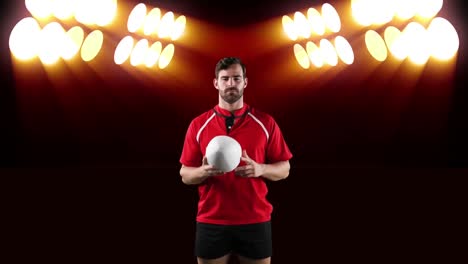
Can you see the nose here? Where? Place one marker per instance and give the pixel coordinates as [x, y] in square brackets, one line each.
[230, 81]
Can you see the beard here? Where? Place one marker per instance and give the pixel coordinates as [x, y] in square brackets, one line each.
[231, 95]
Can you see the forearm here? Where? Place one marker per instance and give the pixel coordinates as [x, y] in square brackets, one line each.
[191, 175]
[276, 171]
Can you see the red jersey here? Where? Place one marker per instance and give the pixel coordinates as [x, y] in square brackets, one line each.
[229, 199]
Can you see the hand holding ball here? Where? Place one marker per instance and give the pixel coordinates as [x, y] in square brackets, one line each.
[224, 153]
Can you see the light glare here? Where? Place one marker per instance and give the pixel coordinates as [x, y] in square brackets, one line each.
[152, 20]
[331, 18]
[40, 8]
[288, 27]
[301, 56]
[315, 54]
[418, 51]
[329, 52]
[22, 38]
[139, 52]
[178, 28]
[73, 40]
[166, 26]
[51, 43]
[443, 38]
[153, 54]
[344, 50]
[136, 19]
[92, 45]
[166, 56]
[316, 21]
[376, 45]
[303, 28]
[123, 50]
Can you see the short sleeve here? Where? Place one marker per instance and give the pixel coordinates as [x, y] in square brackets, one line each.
[191, 153]
[277, 149]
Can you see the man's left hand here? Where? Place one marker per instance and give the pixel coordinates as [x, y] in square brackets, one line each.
[250, 169]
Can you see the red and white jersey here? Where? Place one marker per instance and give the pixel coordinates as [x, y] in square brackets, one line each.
[229, 199]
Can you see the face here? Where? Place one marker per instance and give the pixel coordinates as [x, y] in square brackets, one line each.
[231, 83]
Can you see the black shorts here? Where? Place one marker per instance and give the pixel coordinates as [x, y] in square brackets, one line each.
[250, 241]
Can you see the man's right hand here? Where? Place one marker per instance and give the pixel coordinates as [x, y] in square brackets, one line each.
[209, 170]
[196, 175]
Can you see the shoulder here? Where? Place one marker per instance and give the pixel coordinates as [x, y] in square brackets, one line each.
[262, 116]
[201, 119]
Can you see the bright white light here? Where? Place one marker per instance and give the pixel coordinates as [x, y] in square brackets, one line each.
[106, 12]
[153, 54]
[166, 56]
[51, 43]
[391, 34]
[331, 17]
[178, 27]
[86, 12]
[315, 55]
[316, 21]
[430, 8]
[344, 50]
[64, 9]
[443, 39]
[92, 45]
[166, 26]
[376, 45]
[303, 28]
[418, 50]
[329, 52]
[152, 20]
[405, 9]
[139, 52]
[301, 56]
[40, 8]
[362, 13]
[73, 40]
[384, 10]
[123, 50]
[136, 19]
[24, 37]
[289, 28]
[400, 46]
[376, 12]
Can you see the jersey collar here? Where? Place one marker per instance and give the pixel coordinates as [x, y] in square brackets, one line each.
[237, 113]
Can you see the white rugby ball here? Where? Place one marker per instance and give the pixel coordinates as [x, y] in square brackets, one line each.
[224, 153]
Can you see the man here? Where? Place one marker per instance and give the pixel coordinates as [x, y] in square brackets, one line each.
[233, 212]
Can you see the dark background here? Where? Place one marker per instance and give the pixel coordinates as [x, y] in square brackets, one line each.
[90, 165]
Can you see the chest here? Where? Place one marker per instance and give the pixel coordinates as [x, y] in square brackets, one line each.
[250, 135]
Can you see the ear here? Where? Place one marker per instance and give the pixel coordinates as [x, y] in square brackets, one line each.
[245, 82]
[215, 83]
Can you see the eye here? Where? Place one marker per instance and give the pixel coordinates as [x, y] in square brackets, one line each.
[237, 79]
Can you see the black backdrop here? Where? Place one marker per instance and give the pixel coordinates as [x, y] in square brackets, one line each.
[97, 178]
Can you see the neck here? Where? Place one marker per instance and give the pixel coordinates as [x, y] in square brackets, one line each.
[231, 107]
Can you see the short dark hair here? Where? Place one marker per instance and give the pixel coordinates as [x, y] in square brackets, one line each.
[225, 63]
